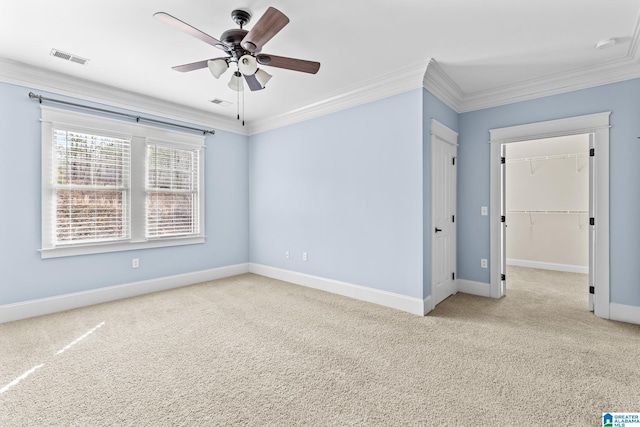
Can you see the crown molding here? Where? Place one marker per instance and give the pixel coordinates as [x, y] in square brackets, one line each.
[427, 74]
[442, 86]
[617, 70]
[400, 81]
[611, 72]
[21, 74]
[40, 79]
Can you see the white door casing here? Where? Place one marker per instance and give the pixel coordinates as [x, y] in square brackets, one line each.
[503, 222]
[595, 124]
[444, 149]
[592, 214]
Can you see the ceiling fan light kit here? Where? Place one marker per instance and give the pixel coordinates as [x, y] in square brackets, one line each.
[247, 65]
[236, 82]
[217, 67]
[263, 77]
[243, 48]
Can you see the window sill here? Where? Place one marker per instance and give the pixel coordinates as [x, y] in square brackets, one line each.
[117, 247]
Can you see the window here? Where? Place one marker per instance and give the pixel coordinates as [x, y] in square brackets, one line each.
[172, 191]
[92, 186]
[108, 185]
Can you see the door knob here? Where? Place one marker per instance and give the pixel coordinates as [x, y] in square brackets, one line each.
[437, 229]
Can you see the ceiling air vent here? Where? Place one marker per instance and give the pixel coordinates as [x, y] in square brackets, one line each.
[69, 57]
[220, 102]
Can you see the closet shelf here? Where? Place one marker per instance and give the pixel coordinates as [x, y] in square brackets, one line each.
[549, 212]
[556, 157]
[531, 160]
[538, 212]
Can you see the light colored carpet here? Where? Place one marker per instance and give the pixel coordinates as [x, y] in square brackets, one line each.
[255, 351]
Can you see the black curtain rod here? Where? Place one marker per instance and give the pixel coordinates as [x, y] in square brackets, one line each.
[41, 98]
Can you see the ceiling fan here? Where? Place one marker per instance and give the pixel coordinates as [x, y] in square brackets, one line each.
[243, 48]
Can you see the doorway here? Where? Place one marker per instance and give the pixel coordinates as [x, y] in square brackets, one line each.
[597, 126]
[547, 206]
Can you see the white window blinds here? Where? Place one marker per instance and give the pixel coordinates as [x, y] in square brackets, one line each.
[172, 202]
[92, 187]
[110, 185]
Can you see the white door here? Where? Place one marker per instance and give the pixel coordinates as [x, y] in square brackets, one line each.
[443, 210]
[503, 220]
[592, 225]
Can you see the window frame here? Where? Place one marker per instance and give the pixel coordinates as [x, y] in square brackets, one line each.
[173, 146]
[140, 135]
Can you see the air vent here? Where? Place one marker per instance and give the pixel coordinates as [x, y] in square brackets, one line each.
[220, 102]
[69, 57]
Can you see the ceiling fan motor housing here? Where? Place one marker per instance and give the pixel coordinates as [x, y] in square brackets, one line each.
[232, 39]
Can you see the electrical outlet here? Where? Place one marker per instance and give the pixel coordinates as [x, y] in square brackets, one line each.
[286, 254]
[135, 263]
[483, 263]
[484, 210]
[305, 256]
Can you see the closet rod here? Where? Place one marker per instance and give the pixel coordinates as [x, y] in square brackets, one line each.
[41, 98]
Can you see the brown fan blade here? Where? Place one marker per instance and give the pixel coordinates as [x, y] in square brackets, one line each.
[194, 65]
[186, 28]
[310, 67]
[253, 82]
[267, 26]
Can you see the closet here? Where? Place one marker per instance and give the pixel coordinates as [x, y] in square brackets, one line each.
[547, 203]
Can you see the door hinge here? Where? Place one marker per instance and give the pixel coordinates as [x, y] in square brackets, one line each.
[503, 160]
[503, 218]
[503, 277]
[592, 221]
[453, 161]
[592, 289]
[592, 152]
[453, 276]
[453, 218]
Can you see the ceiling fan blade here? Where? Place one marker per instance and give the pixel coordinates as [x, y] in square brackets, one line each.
[253, 82]
[267, 26]
[195, 65]
[186, 28]
[192, 66]
[302, 65]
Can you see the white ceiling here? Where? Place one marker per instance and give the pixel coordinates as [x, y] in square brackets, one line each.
[482, 46]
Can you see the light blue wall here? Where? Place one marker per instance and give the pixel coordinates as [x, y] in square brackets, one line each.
[347, 189]
[623, 100]
[352, 189]
[433, 108]
[25, 276]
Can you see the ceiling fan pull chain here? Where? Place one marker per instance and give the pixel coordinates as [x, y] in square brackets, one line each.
[243, 108]
[238, 104]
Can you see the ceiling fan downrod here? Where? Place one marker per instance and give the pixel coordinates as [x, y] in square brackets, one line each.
[241, 17]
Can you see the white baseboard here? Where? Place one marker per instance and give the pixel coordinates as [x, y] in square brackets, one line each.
[23, 310]
[549, 266]
[624, 313]
[388, 299]
[428, 305]
[474, 288]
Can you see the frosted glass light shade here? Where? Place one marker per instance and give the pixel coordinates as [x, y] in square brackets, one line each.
[236, 83]
[217, 67]
[247, 65]
[263, 77]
